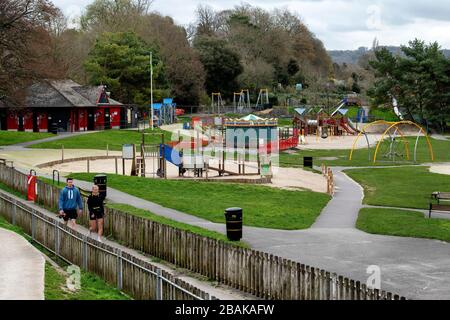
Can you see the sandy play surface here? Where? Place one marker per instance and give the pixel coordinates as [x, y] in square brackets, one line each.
[30, 158]
[441, 169]
[287, 178]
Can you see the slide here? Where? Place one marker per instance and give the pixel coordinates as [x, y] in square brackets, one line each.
[171, 155]
[349, 127]
[341, 104]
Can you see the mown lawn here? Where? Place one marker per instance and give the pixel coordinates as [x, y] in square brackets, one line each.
[8, 138]
[403, 224]
[92, 287]
[405, 187]
[112, 139]
[169, 222]
[163, 220]
[361, 156]
[264, 207]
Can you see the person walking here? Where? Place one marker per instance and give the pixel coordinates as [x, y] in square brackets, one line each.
[70, 204]
[96, 208]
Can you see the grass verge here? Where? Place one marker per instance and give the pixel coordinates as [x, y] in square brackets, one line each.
[405, 187]
[8, 138]
[163, 220]
[112, 139]
[92, 287]
[263, 207]
[361, 156]
[403, 224]
[169, 222]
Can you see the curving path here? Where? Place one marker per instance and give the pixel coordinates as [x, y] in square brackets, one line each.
[415, 268]
[22, 268]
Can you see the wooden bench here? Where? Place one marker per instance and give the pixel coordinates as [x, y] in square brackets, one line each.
[440, 197]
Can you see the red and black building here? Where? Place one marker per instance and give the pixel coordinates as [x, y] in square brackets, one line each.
[66, 106]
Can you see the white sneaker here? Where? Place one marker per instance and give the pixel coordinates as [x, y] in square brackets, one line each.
[99, 239]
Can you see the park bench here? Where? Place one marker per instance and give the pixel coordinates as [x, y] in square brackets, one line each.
[442, 202]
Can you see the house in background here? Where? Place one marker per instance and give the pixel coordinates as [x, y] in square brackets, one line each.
[66, 106]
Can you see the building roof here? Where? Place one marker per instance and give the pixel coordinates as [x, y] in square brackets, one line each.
[65, 93]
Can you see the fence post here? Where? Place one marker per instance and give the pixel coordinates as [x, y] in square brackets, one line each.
[56, 238]
[32, 224]
[158, 285]
[333, 286]
[13, 218]
[62, 153]
[85, 253]
[88, 165]
[119, 270]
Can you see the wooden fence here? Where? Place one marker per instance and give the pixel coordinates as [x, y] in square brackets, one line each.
[130, 274]
[328, 173]
[261, 274]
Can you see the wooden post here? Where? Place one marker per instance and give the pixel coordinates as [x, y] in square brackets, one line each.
[116, 165]
[88, 169]
[62, 153]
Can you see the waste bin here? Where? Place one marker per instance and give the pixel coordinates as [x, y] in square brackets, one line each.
[307, 162]
[233, 217]
[100, 180]
[54, 128]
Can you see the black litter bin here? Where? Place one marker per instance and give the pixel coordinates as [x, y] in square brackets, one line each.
[54, 128]
[100, 180]
[307, 162]
[233, 217]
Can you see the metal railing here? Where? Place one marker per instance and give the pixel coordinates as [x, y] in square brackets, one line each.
[58, 228]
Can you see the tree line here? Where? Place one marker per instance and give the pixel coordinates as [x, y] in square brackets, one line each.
[226, 51]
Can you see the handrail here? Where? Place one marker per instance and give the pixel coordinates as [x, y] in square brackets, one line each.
[92, 243]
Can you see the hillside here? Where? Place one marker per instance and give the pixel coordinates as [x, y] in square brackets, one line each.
[352, 56]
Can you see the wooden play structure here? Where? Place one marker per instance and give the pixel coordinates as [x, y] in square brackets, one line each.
[316, 121]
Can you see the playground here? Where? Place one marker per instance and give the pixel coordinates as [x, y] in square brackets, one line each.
[367, 189]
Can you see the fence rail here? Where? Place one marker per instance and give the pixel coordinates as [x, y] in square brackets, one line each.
[130, 274]
[261, 274]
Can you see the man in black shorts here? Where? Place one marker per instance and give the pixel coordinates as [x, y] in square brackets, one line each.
[96, 212]
[70, 203]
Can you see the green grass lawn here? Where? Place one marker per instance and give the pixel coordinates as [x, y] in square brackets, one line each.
[99, 140]
[361, 156]
[179, 225]
[8, 138]
[405, 187]
[163, 220]
[264, 207]
[92, 287]
[403, 224]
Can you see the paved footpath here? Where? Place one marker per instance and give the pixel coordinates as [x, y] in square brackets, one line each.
[221, 292]
[415, 268]
[22, 268]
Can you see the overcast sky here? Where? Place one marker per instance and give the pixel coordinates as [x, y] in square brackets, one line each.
[340, 24]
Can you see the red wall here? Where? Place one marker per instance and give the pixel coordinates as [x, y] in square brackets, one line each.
[12, 120]
[115, 117]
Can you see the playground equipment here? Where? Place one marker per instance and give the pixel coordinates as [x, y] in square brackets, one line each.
[241, 100]
[216, 103]
[315, 121]
[164, 113]
[393, 151]
[263, 99]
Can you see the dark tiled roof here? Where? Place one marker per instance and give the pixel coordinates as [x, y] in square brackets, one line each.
[63, 93]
